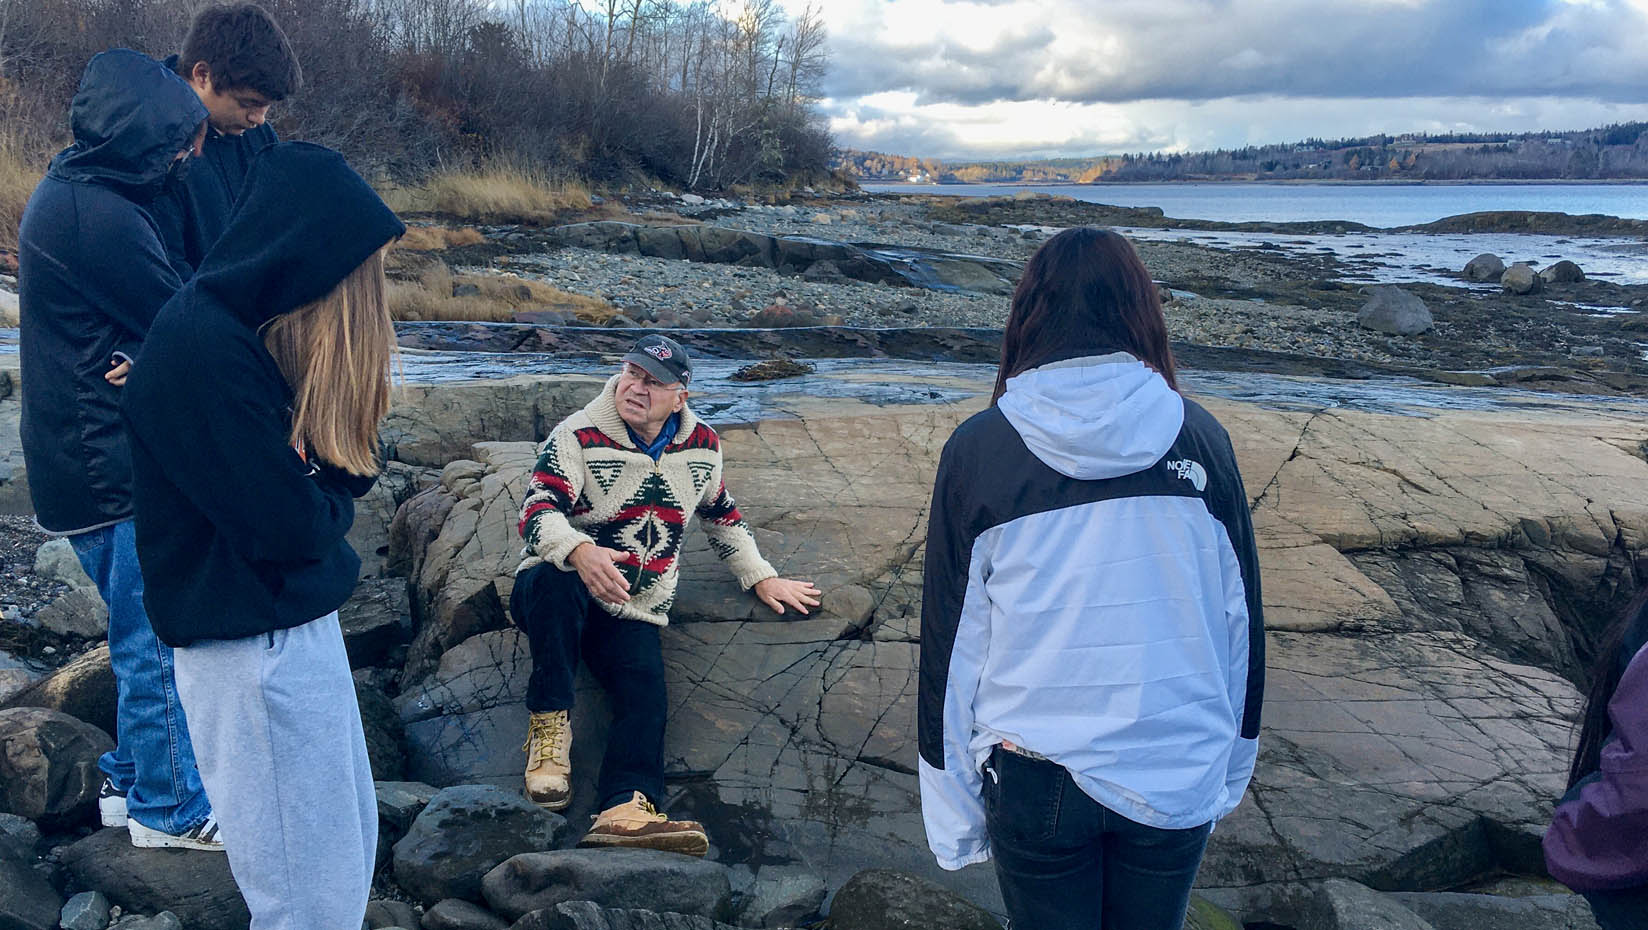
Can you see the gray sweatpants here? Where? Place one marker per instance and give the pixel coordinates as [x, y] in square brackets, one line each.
[278, 737]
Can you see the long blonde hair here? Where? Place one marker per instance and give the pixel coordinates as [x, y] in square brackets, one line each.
[336, 355]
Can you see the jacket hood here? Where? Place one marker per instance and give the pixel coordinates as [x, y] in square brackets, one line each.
[304, 221]
[1097, 417]
[130, 118]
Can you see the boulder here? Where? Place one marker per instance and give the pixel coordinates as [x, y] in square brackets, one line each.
[14, 681]
[19, 838]
[648, 879]
[587, 915]
[381, 914]
[463, 833]
[88, 910]
[1563, 272]
[48, 764]
[1334, 904]
[1451, 911]
[83, 689]
[1392, 310]
[1484, 267]
[1520, 279]
[385, 739]
[375, 619]
[417, 522]
[782, 896]
[55, 561]
[432, 424]
[458, 914]
[882, 899]
[78, 612]
[27, 901]
[195, 886]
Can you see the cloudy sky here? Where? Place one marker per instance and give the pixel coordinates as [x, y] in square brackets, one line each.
[957, 79]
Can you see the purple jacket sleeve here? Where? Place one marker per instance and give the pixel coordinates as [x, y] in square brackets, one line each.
[1598, 840]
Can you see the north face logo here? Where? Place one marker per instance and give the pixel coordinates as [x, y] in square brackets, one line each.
[1190, 471]
[659, 352]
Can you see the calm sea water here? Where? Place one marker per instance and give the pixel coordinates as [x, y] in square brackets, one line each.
[1382, 205]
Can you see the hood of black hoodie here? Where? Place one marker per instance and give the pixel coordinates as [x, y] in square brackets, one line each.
[304, 221]
[130, 118]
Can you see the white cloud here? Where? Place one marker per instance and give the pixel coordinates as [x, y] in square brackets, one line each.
[995, 78]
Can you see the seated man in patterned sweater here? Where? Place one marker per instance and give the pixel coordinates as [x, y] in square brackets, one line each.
[610, 498]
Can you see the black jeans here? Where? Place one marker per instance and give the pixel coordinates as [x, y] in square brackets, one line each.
[1620, 910]
[1066, 862]
[562, 622]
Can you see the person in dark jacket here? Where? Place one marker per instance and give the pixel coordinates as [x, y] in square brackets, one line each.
[253, 411]
[92, 274]
[1092, 640]
[238, 61]
[1597, 843]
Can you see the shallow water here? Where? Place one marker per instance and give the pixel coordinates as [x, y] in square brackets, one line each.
[1379, 205]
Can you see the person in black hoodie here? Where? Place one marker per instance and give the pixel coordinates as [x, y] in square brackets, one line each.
[92, 274]
[253, 410]
[239, 63]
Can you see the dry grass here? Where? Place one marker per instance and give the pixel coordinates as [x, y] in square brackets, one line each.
[429, 297]
[438, 238]
[495, 193]
[19, 173]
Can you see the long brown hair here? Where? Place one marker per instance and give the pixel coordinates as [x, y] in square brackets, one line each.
[1085, 292]
[336, 355]
[1631, 626]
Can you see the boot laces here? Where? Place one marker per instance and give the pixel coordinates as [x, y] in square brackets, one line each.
[543, 738]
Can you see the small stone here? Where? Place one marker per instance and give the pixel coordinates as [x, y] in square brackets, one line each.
[456, 914]
[382, 914]
[88, 910]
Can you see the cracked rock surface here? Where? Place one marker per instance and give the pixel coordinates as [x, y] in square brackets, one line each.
[1432, 583]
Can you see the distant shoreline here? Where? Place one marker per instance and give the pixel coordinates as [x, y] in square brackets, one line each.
[1287, 182]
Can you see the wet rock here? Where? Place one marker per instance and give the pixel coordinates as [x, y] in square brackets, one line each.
[463, 833]
[457, 914]
[1445, 911]
[195, 886]
[48, 764]
[78, 612]
[1395, 311]
[1563, 272]
[782, 896]
[1520, 279]
[881, 899]
[27, 901]
[642, 878]
[1205, 915]
[1484, 267]
[83, 689]
[18, 838]
[587, 915]
[381, 914]
[88, 910]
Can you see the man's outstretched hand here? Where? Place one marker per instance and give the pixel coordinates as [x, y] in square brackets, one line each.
[602, 578]
[777, 592]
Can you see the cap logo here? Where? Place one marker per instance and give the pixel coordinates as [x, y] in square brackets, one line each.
[659, 352]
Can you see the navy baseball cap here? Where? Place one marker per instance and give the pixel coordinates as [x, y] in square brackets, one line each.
[663, 358]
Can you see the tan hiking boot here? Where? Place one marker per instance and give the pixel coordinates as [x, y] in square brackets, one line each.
[637, 823]
[549, 760]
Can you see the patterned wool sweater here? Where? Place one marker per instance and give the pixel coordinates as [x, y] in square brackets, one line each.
[591, 484]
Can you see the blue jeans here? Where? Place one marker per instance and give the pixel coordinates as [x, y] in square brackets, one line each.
[1066, 862]
[152, 762]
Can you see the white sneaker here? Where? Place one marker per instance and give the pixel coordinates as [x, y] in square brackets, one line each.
[111, 805]
[203, 836]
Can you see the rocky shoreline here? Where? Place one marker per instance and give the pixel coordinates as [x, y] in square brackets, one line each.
[1439, 544]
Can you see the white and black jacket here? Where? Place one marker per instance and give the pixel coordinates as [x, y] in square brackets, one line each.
[1091, 595]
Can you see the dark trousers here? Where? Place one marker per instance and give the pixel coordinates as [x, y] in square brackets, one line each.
[563, 623]
[1066, 862]
[1620, 910]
